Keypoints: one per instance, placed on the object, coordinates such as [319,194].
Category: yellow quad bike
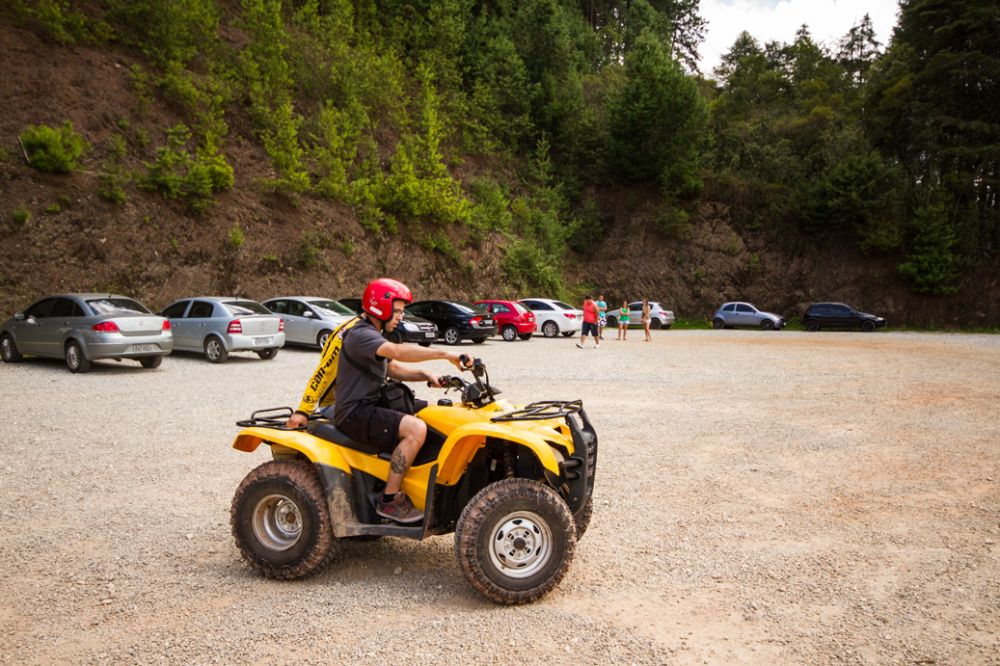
[513,483]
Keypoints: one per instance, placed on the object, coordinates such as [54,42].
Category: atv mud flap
[579,469]
[341,498]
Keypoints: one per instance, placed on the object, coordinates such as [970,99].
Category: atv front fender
[464,441]
[318,451]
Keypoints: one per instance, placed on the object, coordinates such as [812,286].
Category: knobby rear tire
[288,491]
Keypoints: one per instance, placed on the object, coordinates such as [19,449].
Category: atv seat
[326,430]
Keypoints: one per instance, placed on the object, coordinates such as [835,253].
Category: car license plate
[259,342]
[429,334]
[487,323]
[137,349]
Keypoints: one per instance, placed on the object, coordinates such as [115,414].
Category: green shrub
[21,215]
[53,208]
[53,149]
[236,236]
[113,176]
[175,173]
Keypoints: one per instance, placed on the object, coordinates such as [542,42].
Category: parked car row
[817,316]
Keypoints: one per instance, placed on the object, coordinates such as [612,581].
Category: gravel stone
[761,498]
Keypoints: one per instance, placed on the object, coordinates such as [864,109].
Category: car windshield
[331,308]
[116,306]
[564,306]
[468,307]
[240,308]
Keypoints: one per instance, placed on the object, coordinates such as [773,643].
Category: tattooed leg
[412,433]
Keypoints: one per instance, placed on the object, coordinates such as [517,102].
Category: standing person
[645,318]
[623,321]
[589,323]
[602,316]
[366,359]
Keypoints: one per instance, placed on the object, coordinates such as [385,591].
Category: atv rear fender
[315,450]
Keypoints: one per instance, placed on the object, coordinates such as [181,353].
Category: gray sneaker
[400,509]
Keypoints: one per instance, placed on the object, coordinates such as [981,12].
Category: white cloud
[778,20]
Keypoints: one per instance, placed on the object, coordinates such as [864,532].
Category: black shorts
[377,426]
[589,327]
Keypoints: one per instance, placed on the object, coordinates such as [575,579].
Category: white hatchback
[554,317]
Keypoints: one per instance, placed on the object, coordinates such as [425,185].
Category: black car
[411,329]
[838,315]
[456,320]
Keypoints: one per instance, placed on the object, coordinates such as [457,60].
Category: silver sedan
[218,325]
[731,315]
[309,320]
[81,328]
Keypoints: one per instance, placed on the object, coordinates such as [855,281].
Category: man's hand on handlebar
[461,361]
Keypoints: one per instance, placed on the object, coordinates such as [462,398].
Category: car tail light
[475,320]
[166,325]
[281,326]
[106,327]
[235,326]
[570,315]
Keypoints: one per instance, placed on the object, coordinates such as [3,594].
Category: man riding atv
[364,362]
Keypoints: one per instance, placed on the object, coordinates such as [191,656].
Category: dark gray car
[731,315]
[81,328]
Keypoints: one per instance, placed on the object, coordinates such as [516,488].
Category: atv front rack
[273,417]
[541,411]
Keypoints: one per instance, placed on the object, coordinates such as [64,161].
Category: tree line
[378,104]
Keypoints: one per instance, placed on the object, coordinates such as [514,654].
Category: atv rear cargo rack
[273,417]
[541,411]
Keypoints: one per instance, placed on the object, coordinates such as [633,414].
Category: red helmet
[379,295]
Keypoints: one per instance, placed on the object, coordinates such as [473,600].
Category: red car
[513,319]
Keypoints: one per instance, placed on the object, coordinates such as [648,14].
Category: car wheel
[75,360]
[8,349]
[550,329]
[867,326]
[718,323]
[150,362]
[515,540]
[215,351]
[321,339]
[509,333]
[567,334]
[280,520]
[812,325]
[655,324]
[612,322]
[767,325]
[478,341]
[525,336]
[452,336]
[268,354]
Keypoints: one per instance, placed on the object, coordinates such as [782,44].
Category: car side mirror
[18,316]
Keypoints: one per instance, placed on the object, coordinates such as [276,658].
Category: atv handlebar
[477,392]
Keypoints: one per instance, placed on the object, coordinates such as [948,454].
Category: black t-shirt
[358,382]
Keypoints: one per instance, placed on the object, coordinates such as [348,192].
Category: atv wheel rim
[520,545]
[277,523]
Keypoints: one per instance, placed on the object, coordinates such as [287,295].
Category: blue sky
[767,20]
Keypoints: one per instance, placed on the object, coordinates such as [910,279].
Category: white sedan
[554,317]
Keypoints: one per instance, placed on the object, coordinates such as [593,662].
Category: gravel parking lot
[761,498]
